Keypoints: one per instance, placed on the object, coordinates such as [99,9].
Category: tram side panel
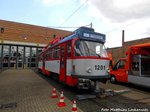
[72,81]
[53,66]
[81,69]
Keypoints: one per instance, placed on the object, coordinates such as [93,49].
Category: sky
[109,17]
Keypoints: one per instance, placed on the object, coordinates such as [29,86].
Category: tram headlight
[89,70]
[108,70]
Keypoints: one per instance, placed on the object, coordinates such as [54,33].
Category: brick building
[20,43]
[119,52]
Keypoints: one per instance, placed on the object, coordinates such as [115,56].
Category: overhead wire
[142,20]
[69,26]
[74,12]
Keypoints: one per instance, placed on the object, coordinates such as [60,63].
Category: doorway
[20,57]
[63,57]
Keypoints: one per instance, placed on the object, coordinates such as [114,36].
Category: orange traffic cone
[54,95]
[74,106]
[61,101]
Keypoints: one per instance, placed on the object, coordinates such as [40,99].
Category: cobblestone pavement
[137,93]
[28,92]
[127,101]
[31,92]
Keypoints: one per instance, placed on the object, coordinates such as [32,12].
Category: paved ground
[137,93]
[30,92]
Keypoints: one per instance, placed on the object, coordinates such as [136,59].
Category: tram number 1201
[99,67]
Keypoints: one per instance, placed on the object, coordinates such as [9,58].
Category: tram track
[97,105]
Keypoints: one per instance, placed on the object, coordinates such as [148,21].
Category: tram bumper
[88,81]
[96,78]
[102,79]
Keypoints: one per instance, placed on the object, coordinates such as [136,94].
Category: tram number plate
[99,67]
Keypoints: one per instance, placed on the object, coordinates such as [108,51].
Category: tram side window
[50,54]
[62,51]
[69,49]
[56,53]
[47,54]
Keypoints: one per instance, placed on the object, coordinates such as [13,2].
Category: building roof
[145,45]
[20,32]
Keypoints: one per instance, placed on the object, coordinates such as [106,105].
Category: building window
[20,54]
[33,55]
[5,55]
[33,52]
[27,55]
[0,50]
[39,50]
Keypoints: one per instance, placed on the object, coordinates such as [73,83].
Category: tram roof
[85,33]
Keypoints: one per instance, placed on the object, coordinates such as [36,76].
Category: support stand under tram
[95,92]
[98,92]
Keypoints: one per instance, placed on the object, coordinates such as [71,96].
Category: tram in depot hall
[78,60]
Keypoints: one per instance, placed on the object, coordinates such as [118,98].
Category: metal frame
[140,66]
[23,57]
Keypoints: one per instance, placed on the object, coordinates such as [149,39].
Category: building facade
[120,52]
[21,43]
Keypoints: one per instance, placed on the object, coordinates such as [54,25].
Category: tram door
[62,76]
[43,59]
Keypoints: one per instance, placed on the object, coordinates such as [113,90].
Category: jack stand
[100,92]
[96,88]
[95,92]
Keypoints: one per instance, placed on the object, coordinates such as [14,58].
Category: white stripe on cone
[61,101]
[74,107]
[54,94]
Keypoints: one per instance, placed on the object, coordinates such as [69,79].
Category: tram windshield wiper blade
[98,55]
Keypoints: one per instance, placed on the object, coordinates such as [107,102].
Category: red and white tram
[76,60]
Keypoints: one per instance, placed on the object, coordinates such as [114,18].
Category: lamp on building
[54,36]
[24,36]
[2,29]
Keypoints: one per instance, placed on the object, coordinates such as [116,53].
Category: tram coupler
[95,90]
[84,84]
